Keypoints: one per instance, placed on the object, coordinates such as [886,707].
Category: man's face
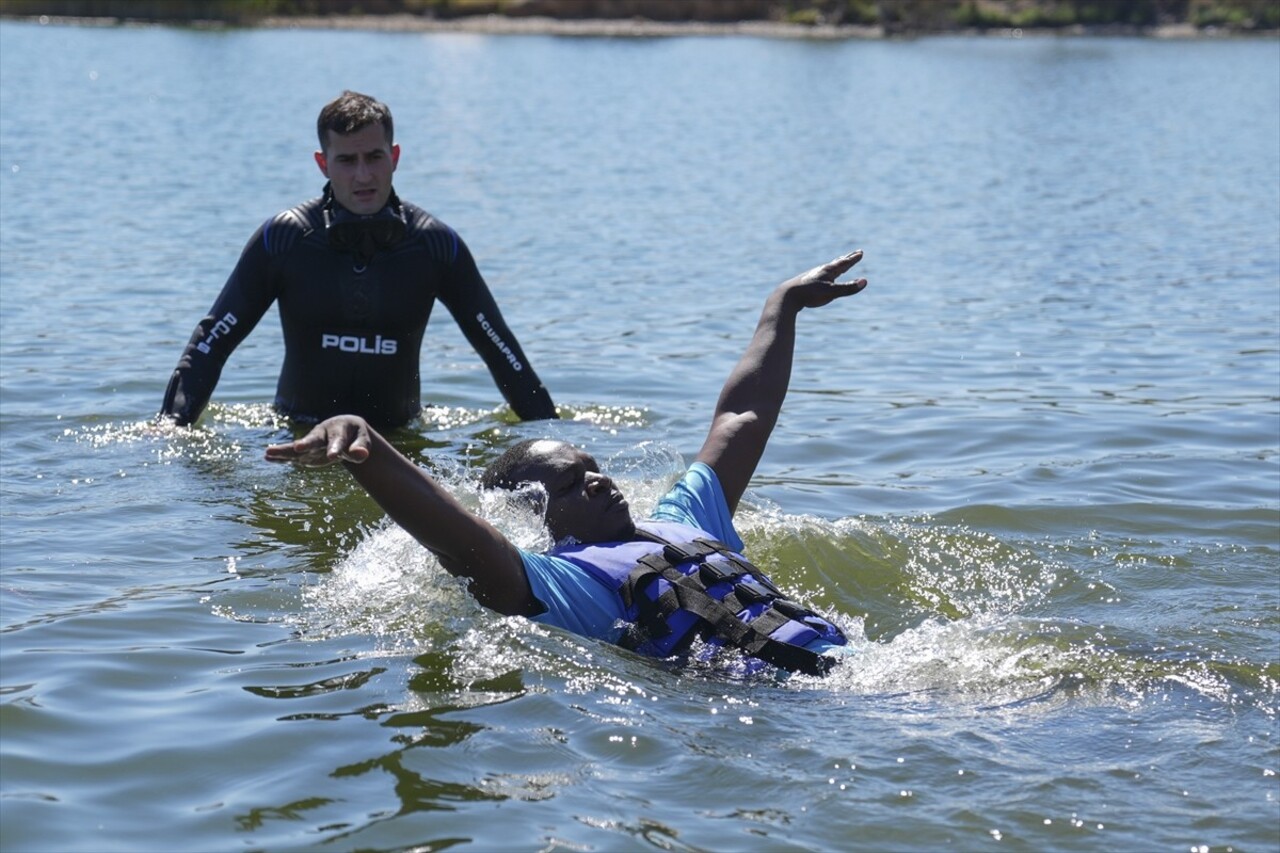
[359,165]
[581,502]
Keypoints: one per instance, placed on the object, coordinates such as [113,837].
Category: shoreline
[646,28]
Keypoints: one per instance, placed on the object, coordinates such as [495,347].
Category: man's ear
[395,156]
[322,163]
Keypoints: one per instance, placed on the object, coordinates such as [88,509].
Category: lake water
[1034,468]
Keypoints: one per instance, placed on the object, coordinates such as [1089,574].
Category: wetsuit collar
[362,235]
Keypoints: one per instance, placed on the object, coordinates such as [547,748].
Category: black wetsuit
[353,319]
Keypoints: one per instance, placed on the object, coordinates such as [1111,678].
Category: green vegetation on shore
[893,16]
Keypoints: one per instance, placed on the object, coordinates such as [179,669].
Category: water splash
[936,610]
[980,620]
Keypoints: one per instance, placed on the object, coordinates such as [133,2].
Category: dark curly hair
[503,472]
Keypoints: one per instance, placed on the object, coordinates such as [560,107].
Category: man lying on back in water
[654,587]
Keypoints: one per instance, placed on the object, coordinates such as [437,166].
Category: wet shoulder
[286,229]
[440,241]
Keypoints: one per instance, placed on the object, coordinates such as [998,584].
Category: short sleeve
[698,500]
[574,600]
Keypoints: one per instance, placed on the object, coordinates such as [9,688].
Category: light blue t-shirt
[578,602]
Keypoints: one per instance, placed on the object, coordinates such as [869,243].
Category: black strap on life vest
[689,592]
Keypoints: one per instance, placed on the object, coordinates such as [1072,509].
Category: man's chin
[626,531]
[365,205]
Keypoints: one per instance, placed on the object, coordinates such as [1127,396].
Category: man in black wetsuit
[356,273]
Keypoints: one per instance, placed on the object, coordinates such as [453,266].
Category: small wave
[944,610]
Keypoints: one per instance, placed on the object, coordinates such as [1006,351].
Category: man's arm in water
[243,301]
[467,545]
[468,298]
[752,397]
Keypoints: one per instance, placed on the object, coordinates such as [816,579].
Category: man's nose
[598,483]
[362,169]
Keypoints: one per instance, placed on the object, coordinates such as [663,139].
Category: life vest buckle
[696,550]
[750,592]
[790,609]
[713,573]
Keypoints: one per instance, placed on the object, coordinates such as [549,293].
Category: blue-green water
[1034,468]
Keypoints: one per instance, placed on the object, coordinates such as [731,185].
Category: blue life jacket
[687,585]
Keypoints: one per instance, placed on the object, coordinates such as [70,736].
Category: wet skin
[582,503]
[359,167]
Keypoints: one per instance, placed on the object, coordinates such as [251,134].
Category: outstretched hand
[344,438]
[818,286]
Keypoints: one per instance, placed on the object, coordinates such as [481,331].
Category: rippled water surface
[1032,469]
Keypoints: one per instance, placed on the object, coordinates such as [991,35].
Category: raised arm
[752,397]
[467,545]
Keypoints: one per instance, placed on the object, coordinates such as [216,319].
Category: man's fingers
[831,291]
[326,444]
[291,451]
[831,270]
[358,451]
[842,264]
[351,444]
[341,447]
[841,289]
[279,453]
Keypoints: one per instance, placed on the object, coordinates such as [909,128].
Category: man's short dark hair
[352,111]
[503,472]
